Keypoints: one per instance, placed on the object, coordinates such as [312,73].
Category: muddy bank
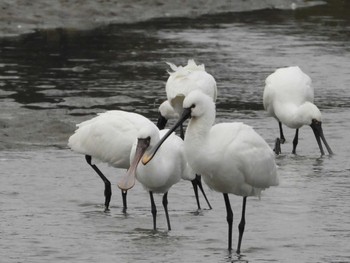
[18,17]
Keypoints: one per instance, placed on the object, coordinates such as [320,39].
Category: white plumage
[109,136]
[165,170]
[231,157]
[167,111]
[185,79]
[288,97]
[286,90]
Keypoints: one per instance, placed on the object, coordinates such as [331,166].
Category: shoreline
[20,17]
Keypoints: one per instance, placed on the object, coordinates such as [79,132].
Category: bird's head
[196,104]
[306,113]
[146,139]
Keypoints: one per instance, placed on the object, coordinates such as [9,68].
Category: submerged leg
[197,182]
[165,204]
[195,189]
[229,219]
[277,148]
[153,210]
[295,141]
[241,226]
[108,189]
[124,193]
[281,133]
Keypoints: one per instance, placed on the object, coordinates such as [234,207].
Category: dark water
[52,202]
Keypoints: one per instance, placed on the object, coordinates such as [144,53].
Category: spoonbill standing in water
[288,97]
[108,138]
[183,80]
[231,157]
[165,170]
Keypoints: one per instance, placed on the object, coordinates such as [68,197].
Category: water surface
[52,202]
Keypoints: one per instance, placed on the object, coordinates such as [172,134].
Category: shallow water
[52,202]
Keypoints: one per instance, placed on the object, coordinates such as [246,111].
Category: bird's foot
[277,148]
[198,212]
[124,210]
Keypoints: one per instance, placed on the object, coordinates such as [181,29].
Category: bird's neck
[198,130]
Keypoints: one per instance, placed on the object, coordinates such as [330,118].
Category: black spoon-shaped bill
[317,129]
[150,154]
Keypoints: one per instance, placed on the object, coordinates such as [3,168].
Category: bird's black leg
[281,133]
[229,219]
[241,226]
[153,210]
[195,189]
[295,141]
[165,204]
[161,122]
[124,193]
[108,189]
[277,148]
[197,182]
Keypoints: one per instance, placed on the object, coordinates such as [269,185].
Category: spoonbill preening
[183,80]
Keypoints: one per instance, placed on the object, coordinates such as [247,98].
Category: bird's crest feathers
[180,71]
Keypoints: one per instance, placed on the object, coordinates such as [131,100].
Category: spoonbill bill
[231,157]
[183,80]
[108,137]
[165,170]
[167,110]
[288,97]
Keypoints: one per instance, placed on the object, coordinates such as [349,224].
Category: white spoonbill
[165,170]
[288,97]
[180,83]
[108,138]
[185,79]
[231,157]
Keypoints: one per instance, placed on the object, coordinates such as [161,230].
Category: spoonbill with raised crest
[183,80]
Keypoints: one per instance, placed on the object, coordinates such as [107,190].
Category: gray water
[52,203]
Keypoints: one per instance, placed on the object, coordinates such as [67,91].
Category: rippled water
[52,202]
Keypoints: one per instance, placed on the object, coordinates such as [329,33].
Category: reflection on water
[52,202]
[59,68]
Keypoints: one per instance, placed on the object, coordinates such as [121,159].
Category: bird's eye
[193,105]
